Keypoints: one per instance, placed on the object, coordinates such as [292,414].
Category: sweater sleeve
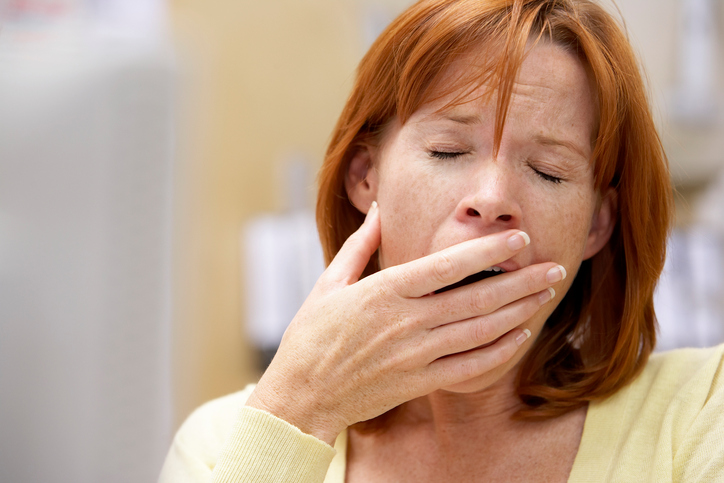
[700,454]
[225,441]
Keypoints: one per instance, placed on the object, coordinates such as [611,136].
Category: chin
[504,374]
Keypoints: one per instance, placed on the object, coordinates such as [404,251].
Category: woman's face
[437,183]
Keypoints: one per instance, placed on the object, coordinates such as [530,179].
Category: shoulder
[668,424]
[675,384]
[699,357]
[682,373]
[208,427]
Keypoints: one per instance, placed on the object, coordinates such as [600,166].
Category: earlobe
[361,179]
[602,224]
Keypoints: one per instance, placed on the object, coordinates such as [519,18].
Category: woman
[494,206]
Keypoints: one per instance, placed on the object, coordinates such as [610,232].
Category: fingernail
[546,296]
[373,209]
[518,241]
[522,337]
[556,274]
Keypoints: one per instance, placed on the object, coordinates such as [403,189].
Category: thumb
[352,258]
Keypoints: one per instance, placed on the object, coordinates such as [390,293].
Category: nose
[492,204]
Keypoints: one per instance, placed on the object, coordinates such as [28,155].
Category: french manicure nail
[546,296]
[518,241]
[522,337]
[372,210]
[556,274]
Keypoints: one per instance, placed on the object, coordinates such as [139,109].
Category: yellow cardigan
[668,425]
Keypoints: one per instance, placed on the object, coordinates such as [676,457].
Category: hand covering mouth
[476,277]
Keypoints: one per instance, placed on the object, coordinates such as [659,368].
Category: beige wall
[695,150]
[259,80]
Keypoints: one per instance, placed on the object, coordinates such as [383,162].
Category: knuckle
[400,280]
[443,268]
[482,299]
[403,325]
[493,359]
[368,300]
[532,282]
[379,285]
[506,353]
[480,331]
[500,356]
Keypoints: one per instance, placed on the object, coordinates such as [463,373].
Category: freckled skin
[427,204]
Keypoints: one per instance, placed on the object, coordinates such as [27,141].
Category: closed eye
[446,154]
[548,177]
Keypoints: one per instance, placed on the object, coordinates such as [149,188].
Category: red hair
[603,331]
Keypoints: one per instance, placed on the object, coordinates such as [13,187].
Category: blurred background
[157,170]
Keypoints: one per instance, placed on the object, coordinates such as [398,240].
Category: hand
[358,348]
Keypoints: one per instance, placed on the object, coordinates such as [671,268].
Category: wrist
[306,415]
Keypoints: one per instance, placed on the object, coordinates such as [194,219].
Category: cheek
[557,222]
[576,219]
[413,209]
[559,228]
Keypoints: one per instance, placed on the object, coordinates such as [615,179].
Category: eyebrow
[462,119]
[551,141]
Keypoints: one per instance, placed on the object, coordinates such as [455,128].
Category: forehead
[547,66]
[552,90]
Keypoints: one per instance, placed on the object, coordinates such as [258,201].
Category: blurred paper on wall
[688,299]
[283,260]
[695,100]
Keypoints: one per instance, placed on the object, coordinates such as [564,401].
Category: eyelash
[452,155]
[446,154]
[548,177]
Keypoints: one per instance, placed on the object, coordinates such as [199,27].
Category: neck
[448,412]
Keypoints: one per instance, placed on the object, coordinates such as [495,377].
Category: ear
[604,219]
[361,178]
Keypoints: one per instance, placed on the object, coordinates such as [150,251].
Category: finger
[473,333]
[353,257]
[433,272]
[487,296]
[458,368]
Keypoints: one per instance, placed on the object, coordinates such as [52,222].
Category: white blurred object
[709,207]
[40,11]
[695,94]
[688,299]
[85,256]
[283,260]
[35,20]
[129,18]
[671,296]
